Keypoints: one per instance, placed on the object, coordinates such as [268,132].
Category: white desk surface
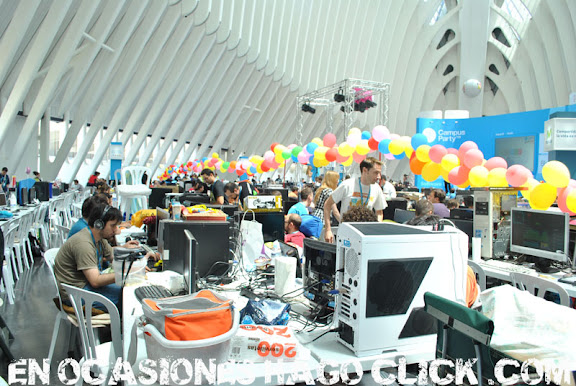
[496,273]
[132,310]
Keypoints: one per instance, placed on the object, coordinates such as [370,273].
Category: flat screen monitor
[161,214]
[157,197]
[393,205]
[272,223]
[516,150]
[2,199]
[24,199]
[31,195]
[189,199]
[466,226]
[190,262]
[540,233]
[401,215]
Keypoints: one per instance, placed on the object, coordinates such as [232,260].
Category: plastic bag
[265,312]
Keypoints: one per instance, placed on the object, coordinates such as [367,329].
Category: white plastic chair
[538,286]
[7,282]
[481,275]
[132,188]
[106,353]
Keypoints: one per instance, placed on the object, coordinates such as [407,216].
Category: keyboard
[152,292]
[506,266]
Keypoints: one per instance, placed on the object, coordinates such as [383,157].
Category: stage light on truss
[339,97]
[308,109]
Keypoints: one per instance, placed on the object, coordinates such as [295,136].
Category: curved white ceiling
[225,74]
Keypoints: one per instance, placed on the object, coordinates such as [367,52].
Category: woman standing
[329,183]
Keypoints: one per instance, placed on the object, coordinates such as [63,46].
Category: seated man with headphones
[78,262]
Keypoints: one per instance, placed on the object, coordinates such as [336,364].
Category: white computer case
[400,260]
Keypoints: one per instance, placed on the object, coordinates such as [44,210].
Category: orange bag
[201,315]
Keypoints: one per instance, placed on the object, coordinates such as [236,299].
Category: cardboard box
[263,203]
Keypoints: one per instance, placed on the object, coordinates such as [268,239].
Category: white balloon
[430,134]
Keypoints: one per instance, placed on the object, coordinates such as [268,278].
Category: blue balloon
[383,146]
[366,135]
[253,170]
[418,140]
[311,147]
[399,156]
[294,159]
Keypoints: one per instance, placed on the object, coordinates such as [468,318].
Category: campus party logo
[450,135]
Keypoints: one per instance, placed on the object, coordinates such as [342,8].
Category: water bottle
[13,201]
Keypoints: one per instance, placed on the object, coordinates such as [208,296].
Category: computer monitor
[393,204]
[462,214]
[157,196]
[161,214]
[31,194]
[24,196]
[402,215]
[213,245]
[540,233]
[466,226]
[272,223]
[190,262]
[2,199]
[320,260]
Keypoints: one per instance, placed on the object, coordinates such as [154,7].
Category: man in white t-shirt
[363,191]
[387,188]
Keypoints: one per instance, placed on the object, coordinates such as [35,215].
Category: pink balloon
[496,162]
[353,140]
[473,157]
[380,132]
[468,145]
[563,194]
[358,158]
[517,175]
[389,156]
[303,158]
[458,175]
[329,140]
[269,155]
[394,136]
[437,152]
[451,150]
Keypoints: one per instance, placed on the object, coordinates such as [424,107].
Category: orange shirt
[471,288]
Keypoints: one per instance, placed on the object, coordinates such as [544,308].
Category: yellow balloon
[362,148]
[529,185]
[571,201]
[444,174]
[316,162]
[348,162]
[449,162]
[318,141]
[409,151]
[497,178]
[396,147]
[478,176]
[215,155]
[542,196]
[464,185]
[354,131]
[259,169]
[422,153]
[278,158]
[320,151]
[431,171]
[556,174]
[345,149]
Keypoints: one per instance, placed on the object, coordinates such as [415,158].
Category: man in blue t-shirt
[4,179]
[301,208]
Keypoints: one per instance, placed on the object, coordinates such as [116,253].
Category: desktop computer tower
[383,271]
[43,190]
[492,208]
[213,245]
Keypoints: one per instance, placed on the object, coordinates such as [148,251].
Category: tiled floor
[31,320]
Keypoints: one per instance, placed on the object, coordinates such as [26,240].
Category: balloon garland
[463,167]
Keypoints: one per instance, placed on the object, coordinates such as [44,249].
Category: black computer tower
[213,248]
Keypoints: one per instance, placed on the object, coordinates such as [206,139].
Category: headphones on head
[99,223]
